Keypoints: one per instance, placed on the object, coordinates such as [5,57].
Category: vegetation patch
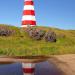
[19,43]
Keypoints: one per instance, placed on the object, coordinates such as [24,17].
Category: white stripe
[28,17]
[27,25]
[28,7]
[28,65]
[28,0]
[28,74]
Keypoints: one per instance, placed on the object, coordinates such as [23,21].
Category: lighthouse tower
[28,17]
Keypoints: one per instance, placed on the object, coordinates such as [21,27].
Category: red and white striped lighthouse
[28,17]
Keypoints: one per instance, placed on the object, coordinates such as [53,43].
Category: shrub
[50,36]
[36,34]
[5,31]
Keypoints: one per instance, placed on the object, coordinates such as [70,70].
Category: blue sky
[52,13]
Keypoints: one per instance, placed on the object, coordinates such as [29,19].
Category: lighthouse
[28,17]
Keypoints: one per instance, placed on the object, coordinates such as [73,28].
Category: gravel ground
[66,63]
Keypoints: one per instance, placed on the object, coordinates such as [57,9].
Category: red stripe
[28,70]
[28,12]
[28,3]
[27,22]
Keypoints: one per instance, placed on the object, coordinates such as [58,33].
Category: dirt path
[66,63]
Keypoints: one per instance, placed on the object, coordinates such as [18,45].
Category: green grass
[17,45]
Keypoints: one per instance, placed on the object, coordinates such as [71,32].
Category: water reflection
[43,68]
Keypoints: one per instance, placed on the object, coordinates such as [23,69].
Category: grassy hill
[21,44]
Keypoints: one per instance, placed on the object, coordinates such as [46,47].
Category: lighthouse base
[25,26]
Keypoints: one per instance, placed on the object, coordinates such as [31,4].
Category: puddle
[43,68]
[46,68]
